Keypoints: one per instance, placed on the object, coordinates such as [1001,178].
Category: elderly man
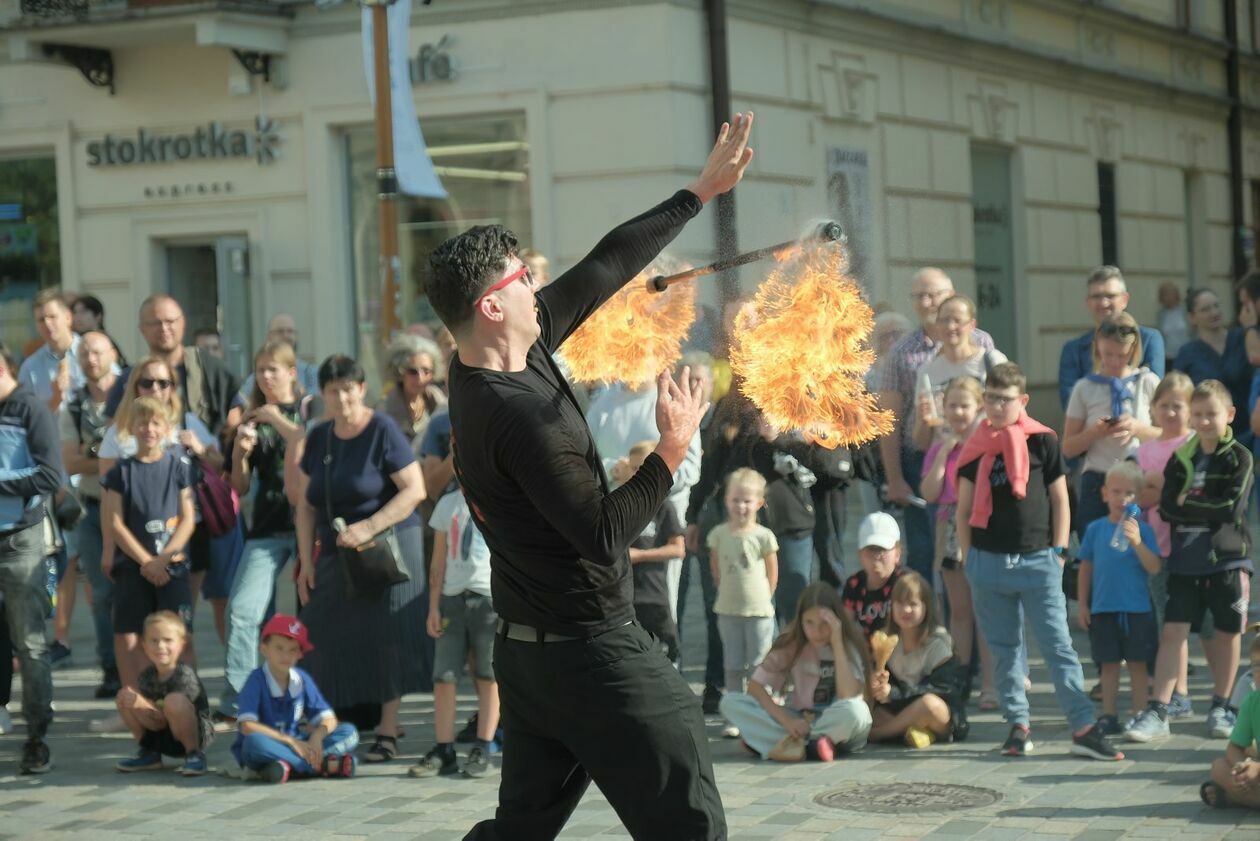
[282,328]
[903,465]
[1105,295]
[585,693]
[206,387]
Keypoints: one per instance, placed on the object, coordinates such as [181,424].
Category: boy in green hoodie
[1207,486]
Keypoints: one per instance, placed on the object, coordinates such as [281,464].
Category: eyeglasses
[415,372]
[523,272]
[150,382]
[1128,331]
[931,296]
[999,400]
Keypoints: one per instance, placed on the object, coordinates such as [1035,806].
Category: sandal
[1213,795]
[383,749]
[988,701]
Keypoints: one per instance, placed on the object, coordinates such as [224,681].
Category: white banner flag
[416,176]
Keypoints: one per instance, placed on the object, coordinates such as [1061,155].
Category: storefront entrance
[210,279]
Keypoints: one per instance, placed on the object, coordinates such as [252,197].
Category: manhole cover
[908,798]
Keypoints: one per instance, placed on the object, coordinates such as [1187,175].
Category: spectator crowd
[165,481]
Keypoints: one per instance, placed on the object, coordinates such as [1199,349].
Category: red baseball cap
[287,626]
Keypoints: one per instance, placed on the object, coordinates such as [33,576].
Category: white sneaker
[730,731]
[6,722]
[113,724]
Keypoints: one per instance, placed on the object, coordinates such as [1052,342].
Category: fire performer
[585,693]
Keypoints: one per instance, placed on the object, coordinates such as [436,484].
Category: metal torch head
[831,232]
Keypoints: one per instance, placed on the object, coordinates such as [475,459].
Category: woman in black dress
[370,648]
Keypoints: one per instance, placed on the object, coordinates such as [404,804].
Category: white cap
[878,529]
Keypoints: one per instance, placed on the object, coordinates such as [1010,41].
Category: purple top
[949,488]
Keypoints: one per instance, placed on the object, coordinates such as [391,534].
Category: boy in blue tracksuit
[276,698]
[30,472]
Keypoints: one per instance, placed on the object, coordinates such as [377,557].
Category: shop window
[30,245]
[483,162]
[1107,214]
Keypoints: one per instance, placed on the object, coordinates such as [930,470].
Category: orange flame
[800,347]
[634,336]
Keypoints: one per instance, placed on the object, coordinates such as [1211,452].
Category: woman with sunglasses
[412,366]
[1109,412]
[1219,352]
[357,478]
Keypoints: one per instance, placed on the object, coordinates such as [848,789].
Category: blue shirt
[262,700]
[1077,359]
[40,369]
[1199,361]
[437,436]
[1119,584]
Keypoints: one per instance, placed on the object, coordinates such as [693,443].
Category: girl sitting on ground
[919,697]
[823,652]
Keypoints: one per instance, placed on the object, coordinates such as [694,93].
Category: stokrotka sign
[209,142]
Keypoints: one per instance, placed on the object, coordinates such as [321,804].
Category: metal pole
[827,232]
[1234,129]
[720,82]
[389,265]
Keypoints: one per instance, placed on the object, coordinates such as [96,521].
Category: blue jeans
[1000,586]
[252,591]
[713,675]
[91,546]
[23,585]
[796,565]
[917,541]
[258,750]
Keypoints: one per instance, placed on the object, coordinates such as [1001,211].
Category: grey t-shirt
[82,421]
[1091,401]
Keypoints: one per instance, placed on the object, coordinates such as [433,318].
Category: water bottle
[1119,540]
[924,392]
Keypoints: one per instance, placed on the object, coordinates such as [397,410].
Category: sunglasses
[523,272]
[1125,330]
[150,382]
[415,372]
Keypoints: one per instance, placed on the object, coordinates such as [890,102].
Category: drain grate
[908,798]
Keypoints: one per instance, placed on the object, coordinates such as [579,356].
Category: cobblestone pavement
[1051,794]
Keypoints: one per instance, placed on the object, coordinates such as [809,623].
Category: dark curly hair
[461,268]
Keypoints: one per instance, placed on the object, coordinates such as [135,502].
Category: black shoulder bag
[373,566]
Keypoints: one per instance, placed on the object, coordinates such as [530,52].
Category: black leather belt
[528,633]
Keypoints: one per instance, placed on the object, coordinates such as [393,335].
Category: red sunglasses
[514,276]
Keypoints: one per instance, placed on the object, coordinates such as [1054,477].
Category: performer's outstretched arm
[625,250]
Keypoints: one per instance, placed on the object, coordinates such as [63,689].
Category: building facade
[223,151]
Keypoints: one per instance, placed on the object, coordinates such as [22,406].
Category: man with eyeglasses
[1106,295]
[903,464]
[585,692]
[206,386]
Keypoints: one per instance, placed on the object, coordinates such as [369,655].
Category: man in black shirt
[584,692]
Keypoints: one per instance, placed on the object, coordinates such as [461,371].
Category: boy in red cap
[275,699]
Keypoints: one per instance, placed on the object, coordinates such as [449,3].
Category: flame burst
[634,336]
[800,347]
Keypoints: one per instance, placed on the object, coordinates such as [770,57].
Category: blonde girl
[918,698]
[964,397]
[823,655]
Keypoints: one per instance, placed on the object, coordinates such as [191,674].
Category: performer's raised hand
[679,409]
[727,161]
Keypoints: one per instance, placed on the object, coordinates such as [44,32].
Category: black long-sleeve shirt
[528,465]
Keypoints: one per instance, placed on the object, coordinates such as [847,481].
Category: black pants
[611,709]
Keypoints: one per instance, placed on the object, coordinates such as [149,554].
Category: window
[483,162]
[30,244]
[1107,214]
